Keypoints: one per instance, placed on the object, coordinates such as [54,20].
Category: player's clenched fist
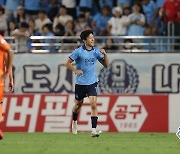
[79,72]
[103,51]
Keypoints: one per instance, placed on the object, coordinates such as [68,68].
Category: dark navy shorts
[82,91]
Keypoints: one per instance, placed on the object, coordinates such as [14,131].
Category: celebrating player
[85,58]
[6,59]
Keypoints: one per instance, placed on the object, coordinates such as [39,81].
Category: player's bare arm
[105,60]
[9,64]
[70,66]
[11,82]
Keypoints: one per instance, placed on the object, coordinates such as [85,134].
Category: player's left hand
[11,86]
[103,51]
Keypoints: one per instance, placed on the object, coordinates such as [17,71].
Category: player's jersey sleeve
[74,55]
[3,44]
[99,54]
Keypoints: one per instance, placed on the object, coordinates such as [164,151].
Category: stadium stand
[150,25]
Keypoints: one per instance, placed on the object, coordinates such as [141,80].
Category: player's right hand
[79,72]
[11,86]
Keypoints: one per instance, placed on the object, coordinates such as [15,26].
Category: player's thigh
[93,100]
[92,90]
[1,93]
[80,92]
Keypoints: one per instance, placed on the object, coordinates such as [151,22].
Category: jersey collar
[87,49]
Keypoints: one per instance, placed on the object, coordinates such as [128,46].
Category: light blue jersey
[101,21]
[123,1]
[135,29]
[86,61]
[86,3]
[32,5]
[12,5]
[149,10]
[160,3]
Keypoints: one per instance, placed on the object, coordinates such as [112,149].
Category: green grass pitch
[82,143]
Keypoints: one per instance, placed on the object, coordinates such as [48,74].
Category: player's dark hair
[85,34]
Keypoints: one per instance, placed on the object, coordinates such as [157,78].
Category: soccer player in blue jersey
[85,58]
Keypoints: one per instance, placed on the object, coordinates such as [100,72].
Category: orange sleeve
[3,44]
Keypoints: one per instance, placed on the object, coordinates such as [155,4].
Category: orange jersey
[1,94]
[3,47]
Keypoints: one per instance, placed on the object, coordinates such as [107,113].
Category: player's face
[90,40]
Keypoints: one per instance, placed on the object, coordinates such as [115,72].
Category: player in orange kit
[6,59]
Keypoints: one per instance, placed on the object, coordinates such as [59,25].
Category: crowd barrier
[64,44]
